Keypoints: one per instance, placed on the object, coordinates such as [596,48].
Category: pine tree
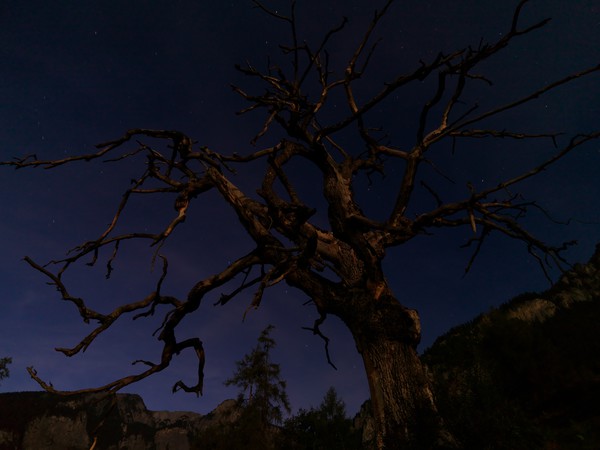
[262,388]
[4,372]
[324,428]
[263,396]
[332,408]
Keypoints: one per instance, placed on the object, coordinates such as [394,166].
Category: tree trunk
[401,397]
[402,401]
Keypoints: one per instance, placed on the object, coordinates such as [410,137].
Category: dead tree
[339,266]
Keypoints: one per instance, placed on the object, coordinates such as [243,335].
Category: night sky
[74,74]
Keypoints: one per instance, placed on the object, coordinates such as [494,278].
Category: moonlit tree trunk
[337,265]
[403,407]
[386,336]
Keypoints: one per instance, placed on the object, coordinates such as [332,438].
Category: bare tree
[338,266]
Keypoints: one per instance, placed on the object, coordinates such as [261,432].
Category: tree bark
[403,405]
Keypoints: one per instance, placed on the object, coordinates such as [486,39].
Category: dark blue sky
[73,74]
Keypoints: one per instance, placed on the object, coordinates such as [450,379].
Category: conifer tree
[262,400]
[324,428]
[263,392]
[4,372]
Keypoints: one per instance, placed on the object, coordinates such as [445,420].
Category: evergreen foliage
[261,403]
[255,422]
[4,372]
[262,389]
[326,427]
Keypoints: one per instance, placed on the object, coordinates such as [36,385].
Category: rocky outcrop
[364,421]
[536,309]
[581,284]
[42,421]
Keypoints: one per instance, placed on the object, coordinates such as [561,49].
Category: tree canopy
[263,391]
[324,427]
[4,372]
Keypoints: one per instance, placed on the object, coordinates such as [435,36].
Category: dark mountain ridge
[44,421]
[527,374]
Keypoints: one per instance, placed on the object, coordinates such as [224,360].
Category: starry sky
[74,74]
